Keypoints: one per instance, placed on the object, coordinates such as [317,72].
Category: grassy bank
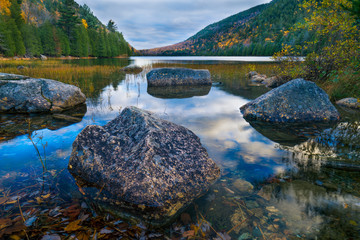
[85,76]
[347,85]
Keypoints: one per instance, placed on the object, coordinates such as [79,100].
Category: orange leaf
[73,226]
[83,236]
[189,233]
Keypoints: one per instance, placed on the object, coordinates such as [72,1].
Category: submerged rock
[353,103]
[243,186]
[297,101]
[20,94]
[336,148]
[344,134]
[179,91]
[341,143]
[147,167]
[178,76]
[132,69]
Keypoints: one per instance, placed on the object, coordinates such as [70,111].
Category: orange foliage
[83,21]
[5,7]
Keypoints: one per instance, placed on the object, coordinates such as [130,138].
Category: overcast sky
[156,23]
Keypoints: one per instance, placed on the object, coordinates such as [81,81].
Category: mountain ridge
[260,30]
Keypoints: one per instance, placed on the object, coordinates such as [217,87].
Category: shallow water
[291,194]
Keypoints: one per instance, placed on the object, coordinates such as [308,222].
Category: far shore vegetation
[326,32]
[333,59]
[56,28]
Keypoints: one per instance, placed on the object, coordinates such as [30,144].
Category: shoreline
[54,58]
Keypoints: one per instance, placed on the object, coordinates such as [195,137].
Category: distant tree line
[259,31]
[71,30]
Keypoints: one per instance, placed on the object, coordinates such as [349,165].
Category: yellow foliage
[83,21]
[5,7]
[335,46]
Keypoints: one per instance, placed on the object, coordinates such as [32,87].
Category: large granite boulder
[296,101]
[145,166]
[178,76]
[19,94]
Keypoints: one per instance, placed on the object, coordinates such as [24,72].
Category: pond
[274,184]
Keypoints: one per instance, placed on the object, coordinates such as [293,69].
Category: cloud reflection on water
[215,118]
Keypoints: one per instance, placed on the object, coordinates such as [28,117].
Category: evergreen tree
[102,51]
[64,42]
[67,36]
[13,25]
[15,14]
[111,26]
[87,14]
[80,44]
[16,38]
[32,40]
[68,19]
[47,39]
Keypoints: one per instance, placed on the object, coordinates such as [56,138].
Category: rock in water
[177,77]
[132,69]
[296,101]
[349,103]
[148,166]
[19,94]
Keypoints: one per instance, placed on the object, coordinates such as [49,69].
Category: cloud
[156,23]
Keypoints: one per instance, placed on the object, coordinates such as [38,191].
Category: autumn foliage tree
[333,50]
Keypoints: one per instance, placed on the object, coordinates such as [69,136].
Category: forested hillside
[258,31]
[56,28]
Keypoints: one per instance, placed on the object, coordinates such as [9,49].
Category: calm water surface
[276,191]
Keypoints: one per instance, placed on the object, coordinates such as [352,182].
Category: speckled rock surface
[146,166]
[296,101]
[19,94]
[349,103]
[178,76]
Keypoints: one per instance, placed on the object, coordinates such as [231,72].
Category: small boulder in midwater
[146,167]
[297,101]
[132,69]
[353,103]
[178,77]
